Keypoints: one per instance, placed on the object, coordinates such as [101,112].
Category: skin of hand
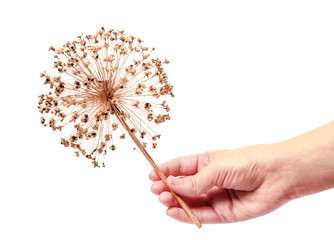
[234,185]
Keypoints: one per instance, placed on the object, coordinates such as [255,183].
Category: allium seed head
[104,80]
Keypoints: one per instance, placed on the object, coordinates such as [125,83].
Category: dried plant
[107,85]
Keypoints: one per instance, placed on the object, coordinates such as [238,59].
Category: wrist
[305,164]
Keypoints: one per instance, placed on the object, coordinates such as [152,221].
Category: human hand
[224,186]
[240,184]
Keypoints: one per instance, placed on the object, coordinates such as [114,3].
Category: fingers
[198,178]
[205,214]
[167,199]
[194,185]
[183,166]
[202,175]
[158,187]
[201,206]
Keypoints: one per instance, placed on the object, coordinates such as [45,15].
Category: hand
[224,186]
[240,184]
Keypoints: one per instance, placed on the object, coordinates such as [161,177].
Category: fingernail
[175,180]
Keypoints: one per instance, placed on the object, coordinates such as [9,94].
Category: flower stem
[162,176]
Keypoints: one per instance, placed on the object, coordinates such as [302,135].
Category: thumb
[194,185]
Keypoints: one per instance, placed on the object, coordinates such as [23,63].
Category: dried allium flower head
[107,82]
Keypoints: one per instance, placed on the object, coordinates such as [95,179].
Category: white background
[245,72]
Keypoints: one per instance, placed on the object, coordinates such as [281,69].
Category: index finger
[183,166]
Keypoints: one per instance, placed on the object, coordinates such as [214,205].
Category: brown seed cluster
[101,79]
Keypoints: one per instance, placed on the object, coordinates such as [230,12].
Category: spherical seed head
[104,79]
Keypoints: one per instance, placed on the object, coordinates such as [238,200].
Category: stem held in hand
[185,207]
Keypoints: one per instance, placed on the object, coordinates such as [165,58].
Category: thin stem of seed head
[162,176]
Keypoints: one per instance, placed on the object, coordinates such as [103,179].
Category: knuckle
[203,160]
[193,185]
